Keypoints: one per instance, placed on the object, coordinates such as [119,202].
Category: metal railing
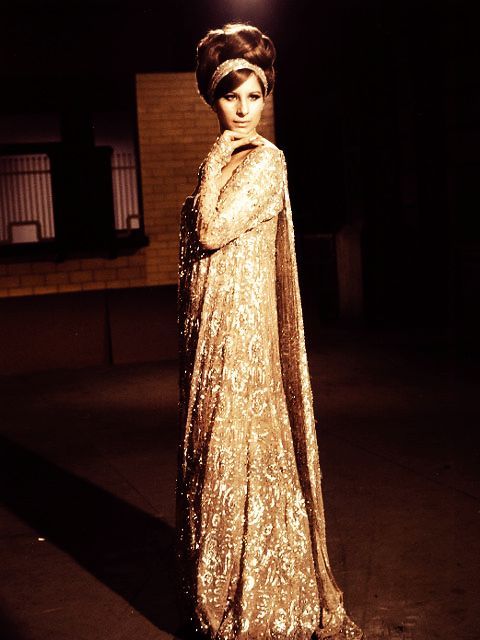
[125,196]
[26,204]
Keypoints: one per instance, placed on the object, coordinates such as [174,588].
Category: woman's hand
[228,141]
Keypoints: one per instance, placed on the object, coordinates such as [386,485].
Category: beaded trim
[233,64]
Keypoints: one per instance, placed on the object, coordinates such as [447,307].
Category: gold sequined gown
[251,546]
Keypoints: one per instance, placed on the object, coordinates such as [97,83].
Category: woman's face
[241,108]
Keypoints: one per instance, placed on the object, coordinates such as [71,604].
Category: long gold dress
[251,546]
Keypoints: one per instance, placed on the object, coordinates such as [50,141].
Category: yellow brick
[9,281]
[19,268]
[105,274]
[93,263]
[87,286]
[32,280]
[81,276]
[130,272]
[21,291]
[45,289]
[137,282]
[117,284]
[43,267]
[136,260]
[64,288]
[68,265]
[56,278]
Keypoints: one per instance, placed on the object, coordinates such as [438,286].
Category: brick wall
[176,129]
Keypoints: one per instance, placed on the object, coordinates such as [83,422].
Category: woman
[250,523]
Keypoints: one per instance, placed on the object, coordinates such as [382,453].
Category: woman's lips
[241,124]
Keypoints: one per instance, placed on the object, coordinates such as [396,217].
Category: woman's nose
[242,107]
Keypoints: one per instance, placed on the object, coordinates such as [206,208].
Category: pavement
[88,477]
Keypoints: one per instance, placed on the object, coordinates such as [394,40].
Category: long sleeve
[253,194]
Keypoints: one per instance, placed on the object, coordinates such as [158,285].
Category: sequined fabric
[251,546]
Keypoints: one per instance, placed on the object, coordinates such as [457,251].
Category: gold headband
[233,64]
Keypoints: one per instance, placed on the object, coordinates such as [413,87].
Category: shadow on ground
[127,549]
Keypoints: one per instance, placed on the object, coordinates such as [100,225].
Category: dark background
[378,113]
[377,108]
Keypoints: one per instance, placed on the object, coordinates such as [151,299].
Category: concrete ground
[88,473]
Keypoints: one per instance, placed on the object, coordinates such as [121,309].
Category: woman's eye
[229,96]
[255,96]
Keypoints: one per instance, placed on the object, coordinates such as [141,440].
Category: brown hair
[233,40]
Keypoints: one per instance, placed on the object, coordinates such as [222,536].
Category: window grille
[26,206]
[125,196]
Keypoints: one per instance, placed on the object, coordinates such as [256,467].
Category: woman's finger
[230,141]
[244,139]
[236,136]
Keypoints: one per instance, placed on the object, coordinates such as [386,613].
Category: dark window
[63,195]
[26,204]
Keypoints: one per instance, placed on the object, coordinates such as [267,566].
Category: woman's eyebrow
[235,93]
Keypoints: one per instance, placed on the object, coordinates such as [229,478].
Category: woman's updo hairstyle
[233,40]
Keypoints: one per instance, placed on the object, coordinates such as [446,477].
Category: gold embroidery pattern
[251,544]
